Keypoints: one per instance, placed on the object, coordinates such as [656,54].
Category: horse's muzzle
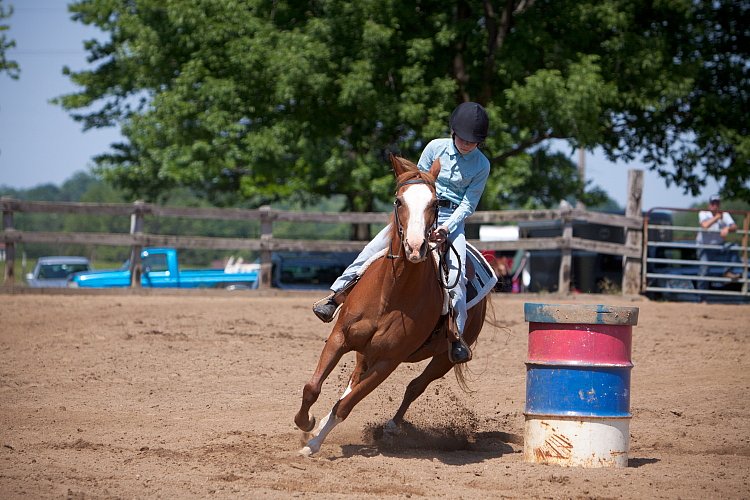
[416,255]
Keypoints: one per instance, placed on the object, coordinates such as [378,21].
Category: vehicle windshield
[60,271]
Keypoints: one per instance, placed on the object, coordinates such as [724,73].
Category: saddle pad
[484,278]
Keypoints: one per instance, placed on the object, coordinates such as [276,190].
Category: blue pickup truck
[161,270]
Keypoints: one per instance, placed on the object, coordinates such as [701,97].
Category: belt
[447,204]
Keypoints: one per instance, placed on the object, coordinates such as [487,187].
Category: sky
[40,143]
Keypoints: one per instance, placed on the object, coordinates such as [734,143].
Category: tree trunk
[361,231]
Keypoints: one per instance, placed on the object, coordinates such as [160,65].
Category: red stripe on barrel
[562,343]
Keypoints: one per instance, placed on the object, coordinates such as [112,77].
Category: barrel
[578,384]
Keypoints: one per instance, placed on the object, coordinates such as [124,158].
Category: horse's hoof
[392,429]
[310,424]
[306,451]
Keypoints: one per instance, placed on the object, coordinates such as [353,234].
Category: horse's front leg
[324,423]
[327,424]
[364,380]
[332,353]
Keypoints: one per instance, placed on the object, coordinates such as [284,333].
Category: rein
[444,266]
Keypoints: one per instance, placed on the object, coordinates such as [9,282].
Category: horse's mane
[412,171]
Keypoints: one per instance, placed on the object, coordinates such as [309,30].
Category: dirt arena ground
[192,395]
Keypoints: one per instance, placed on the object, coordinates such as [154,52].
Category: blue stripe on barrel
[585,391]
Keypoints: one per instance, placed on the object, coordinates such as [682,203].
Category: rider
[464,170]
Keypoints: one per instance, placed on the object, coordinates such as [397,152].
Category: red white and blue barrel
[578,384]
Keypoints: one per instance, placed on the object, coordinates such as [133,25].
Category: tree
[9,67]
[256,100]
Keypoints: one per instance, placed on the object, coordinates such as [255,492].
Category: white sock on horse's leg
[347,390]
[327,424]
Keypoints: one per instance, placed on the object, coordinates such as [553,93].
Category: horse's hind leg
[437,367]
[332,353]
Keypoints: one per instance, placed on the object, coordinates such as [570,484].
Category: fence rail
[688,268]
[266,243]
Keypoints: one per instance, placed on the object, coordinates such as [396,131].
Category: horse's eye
[398,202]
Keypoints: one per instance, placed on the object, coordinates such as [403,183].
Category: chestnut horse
[389,317]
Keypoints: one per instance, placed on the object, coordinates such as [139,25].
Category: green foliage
[520,187]
[246,102]
[7,66]
[85,187]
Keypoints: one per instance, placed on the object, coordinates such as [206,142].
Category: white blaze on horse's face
[417,198]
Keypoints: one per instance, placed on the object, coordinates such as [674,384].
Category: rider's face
[464,147]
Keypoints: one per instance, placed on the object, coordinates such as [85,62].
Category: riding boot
[459,351]
[325,309]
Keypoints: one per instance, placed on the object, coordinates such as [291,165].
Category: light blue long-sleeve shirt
[462,177]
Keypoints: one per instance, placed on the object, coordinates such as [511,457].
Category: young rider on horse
[463,175]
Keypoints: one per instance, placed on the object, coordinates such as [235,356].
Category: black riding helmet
[470,122]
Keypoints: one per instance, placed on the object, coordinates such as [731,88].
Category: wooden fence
[266,244]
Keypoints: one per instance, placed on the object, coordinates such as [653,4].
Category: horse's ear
[435,168]
[398,167]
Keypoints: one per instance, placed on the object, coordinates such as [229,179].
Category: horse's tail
[462,370]
[492,319]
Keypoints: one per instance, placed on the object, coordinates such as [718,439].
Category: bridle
[397,219]
[428,231]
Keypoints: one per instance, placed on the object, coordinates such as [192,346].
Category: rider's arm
[469,201]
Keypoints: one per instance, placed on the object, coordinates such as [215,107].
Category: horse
[391,315]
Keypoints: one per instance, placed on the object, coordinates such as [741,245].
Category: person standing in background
[715,226]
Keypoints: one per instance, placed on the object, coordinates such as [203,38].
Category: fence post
[745,227]
[136,228]
[266,235]
[10,247]
[631,277]
[563,280]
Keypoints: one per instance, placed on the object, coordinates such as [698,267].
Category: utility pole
[581,172]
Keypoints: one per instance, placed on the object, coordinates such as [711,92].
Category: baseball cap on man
[714,197]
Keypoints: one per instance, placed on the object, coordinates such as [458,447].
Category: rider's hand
[439,235]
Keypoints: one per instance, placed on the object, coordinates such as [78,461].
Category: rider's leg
[460,351]
[326,308]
